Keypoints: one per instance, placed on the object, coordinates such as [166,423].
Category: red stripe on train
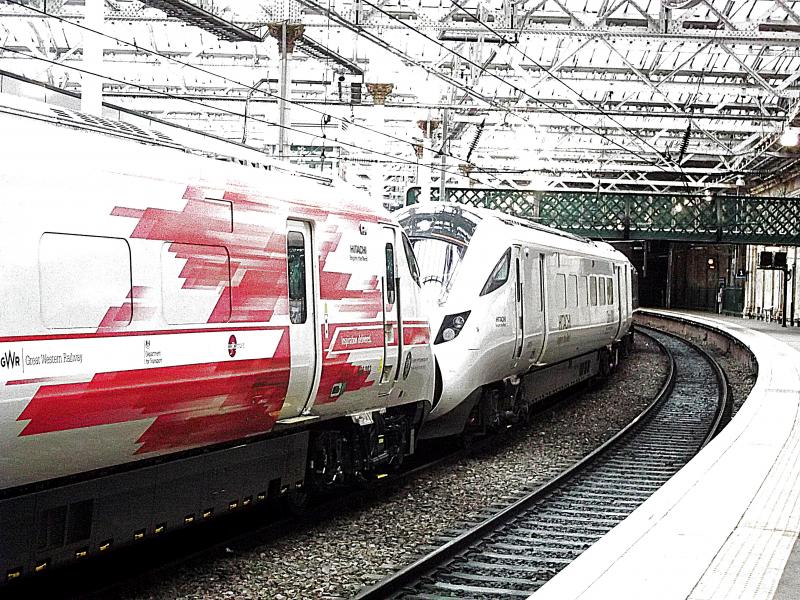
[192,404]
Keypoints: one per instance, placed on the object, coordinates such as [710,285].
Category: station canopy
[613,95]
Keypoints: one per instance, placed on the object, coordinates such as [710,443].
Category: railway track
[108,576]
[517,550]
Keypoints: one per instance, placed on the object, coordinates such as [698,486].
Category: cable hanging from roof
[251,88]
[517,88]
[513,44]
[207,106]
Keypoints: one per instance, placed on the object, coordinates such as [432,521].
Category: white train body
[178,334]
[534,305]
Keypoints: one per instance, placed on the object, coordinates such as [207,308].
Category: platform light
[790,137]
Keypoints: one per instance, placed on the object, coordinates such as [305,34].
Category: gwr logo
[9,359]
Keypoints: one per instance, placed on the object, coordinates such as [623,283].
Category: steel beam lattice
[631,216]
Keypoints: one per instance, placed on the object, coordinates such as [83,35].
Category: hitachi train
[518,312]
[182,336]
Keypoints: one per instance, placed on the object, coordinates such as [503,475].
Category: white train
[182,336]
[518,311]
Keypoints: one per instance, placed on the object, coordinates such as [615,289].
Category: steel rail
[425,569]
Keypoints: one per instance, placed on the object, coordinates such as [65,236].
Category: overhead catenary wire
[513,44]
[204,105]
[371,37]
[515,87]
[200,69]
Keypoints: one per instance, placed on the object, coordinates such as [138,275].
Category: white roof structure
[624,95]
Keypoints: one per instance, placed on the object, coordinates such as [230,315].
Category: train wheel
[522,410]
[299,502]
[605,363]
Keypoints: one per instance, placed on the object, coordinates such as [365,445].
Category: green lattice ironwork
[735,219]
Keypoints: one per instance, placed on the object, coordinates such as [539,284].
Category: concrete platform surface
[725,526]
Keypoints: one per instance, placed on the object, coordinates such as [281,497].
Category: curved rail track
[516,551]
[110,575]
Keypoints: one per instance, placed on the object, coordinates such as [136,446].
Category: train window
[195,284]
[583,291]
[499,274]
[296,270]
[411,259]
[593,290]
[572,290]
[84,281]
[390,286]
[561,290]
[610,293]
[601,290]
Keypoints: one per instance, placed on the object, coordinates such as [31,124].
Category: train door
[619,299]
[519,303]
[303,339]
[534,304]
[392,325]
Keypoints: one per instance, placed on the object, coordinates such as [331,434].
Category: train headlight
[451,327]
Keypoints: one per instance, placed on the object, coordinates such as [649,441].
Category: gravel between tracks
[336,558]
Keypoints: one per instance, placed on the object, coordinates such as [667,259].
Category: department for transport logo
[233,346]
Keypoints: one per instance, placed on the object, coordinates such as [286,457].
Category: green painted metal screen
[734,219]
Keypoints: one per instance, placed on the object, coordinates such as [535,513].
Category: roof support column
[92,86]
[286,34]
[428,126]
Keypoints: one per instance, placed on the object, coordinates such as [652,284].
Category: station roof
[545,94]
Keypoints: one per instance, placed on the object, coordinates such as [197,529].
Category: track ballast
[519,549]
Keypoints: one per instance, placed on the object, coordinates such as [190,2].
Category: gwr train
[518,311]
[182,336]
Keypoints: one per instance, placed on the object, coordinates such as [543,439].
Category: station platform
[727,525]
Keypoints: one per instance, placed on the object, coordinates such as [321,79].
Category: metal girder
[382,43]
[746,37]
[321,52]
[624,216]
[194,15]
[636,71]
[752,72]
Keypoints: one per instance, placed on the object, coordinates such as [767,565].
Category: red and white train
[182,336]
[519,311]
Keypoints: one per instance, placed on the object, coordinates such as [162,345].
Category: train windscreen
[440,239]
